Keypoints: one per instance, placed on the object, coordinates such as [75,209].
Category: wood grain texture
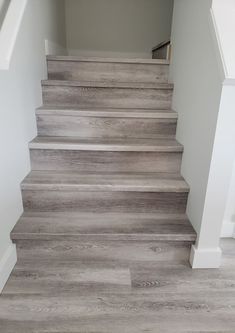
[107,71]
[119,252]
[46,278]
[105,96]
[103,244]
[109,84]
[106,60]
[105,161]
[62,296]
[104,127]
[83,201]
[105,155]
[114,182]
[106,112]
[162,144]
[65,226]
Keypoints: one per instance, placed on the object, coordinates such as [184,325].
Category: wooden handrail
[161,45]
[156,50]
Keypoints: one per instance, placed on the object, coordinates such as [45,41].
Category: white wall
[195,73]
[204,97]
[3,8]
[198,86]
[228,229]
[114,27]
[224,12]
[20,95]
[220,175]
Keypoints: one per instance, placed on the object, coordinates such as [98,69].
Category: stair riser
[103,251]
[104,201]
[100,71]
[107,97]
[105,161]
[101,127]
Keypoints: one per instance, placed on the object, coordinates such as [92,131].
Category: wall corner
[7,264]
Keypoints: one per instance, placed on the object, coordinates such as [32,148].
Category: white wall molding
[229,82]
[228,229]
[9,31]
[205,258]
[7,264]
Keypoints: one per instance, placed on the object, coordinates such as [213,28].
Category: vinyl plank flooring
[61,226]
[162,298]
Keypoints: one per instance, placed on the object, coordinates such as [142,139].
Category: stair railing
[162,50]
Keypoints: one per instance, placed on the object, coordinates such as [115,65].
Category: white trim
[9,31]
[218,47]
[228,229]
[108,54]
[52,48]
[229,81]
[7,264]
[205,258]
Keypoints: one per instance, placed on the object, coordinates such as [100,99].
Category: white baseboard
[107,54]
[228,230]
[205,258]
[7,264]
[52,48]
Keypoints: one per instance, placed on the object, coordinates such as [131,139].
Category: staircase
[105,184]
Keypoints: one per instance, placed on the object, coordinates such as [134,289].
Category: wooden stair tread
[98,181]
[109,60]
[50,225]
[109,84]
[163,144]
[107,112]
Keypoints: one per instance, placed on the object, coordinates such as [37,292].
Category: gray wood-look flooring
[89,94]
[104,241]
[106,226]
[96,69]
[129,295]
[106,126]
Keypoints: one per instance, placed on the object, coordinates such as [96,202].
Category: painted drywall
[221,170]
[224,13]
[20,95]
[195,73]
[3,8]
[117,27]
[228,229]
[204,97]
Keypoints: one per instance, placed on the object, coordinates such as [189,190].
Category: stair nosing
[106,146]
[102,113]
[190,237]
[102,188]
[74,182]
[108,84]
[109,60]
[84,231]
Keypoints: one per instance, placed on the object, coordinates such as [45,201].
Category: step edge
[109,60]
[190,237]
[104,188]
[107,84]
[105,147]
[107,114]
